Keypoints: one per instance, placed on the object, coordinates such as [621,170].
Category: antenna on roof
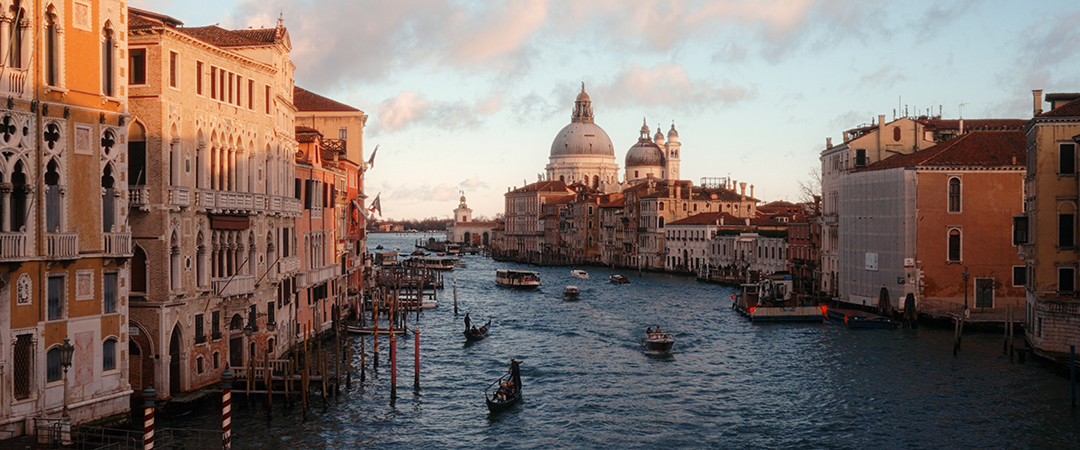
[962,104]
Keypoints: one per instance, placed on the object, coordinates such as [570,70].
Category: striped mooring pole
[149,395]
[226,409]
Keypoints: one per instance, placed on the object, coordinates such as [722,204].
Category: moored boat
[859,319]
[771,300]
[571,293]
[507,390]
[618,279]
[431,262]
[657,341]
[578,273]
[520,279]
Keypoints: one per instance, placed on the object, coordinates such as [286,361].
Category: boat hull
[860,319]
[781,313]
[497,406]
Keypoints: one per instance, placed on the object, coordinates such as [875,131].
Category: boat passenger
[468,321]
[648,330]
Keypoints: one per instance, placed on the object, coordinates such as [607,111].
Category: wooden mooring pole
[269,381]
[416,370]
[1072,374]
[363,359]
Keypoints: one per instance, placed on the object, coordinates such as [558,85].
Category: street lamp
[66,350]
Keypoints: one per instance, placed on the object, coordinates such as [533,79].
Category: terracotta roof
[305,100]
[542,186]
[977,148]
[139,18]
[221,37]
[617,203]
[1067,110]
[562,200]
[262,35]
[711,218]
[305,135]
[975,124]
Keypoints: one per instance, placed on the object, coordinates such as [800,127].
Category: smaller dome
[462,199]
[658,137]
[644,154]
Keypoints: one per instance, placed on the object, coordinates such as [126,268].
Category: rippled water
[728,383]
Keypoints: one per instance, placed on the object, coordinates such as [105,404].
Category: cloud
[473,184]
[407,194]
[410,109]
[884,78]
[667,84]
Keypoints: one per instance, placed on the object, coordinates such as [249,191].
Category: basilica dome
[645,152]
[582,138]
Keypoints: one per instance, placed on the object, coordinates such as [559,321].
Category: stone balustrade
[233,286]
[117,245]
[180,196]
[139,197]
[12,246]
[61,245]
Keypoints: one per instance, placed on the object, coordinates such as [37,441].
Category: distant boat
[618,279]
[657,342]
[578,273]
[507,391]
[379,247]
[571,293]
[461,263]
[520,279]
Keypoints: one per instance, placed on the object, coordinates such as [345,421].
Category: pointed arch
[108,60]
[136,166]
[138,271]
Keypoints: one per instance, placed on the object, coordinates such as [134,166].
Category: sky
[467,96]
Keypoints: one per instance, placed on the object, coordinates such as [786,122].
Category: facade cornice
[200,43]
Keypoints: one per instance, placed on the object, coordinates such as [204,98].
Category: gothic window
[16,54]
[23,370]
[108,355]
[107,61]
[954,194]
[19,193]
[52,48]
[52,197]
[109,196]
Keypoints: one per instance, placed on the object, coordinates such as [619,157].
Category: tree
[810,188]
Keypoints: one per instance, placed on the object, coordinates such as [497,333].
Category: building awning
[229,222]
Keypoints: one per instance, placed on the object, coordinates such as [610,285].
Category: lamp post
[66,350]
[966,275]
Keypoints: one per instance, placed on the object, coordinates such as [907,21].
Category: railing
[316,276]
[278,368]
[289,264]
[15,82]
[180,196]
[12,245]
[139,197]
[237,285]
[117,244]
[334,145]
[291,205]
[61,245]
[259,203]
[204,198]
[235,201]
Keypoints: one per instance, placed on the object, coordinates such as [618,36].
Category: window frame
[115,276]
[109,356]
[1066,238]
[1070,160]
[137,77]
[954,203]
[62,299]
[959,251]
[53,366]
[199,78]
[1022,278]
[174,70]
[1072,279]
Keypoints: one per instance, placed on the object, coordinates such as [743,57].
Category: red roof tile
[305,100]
[711,218]
[975,124]
[977,148]
[139,18]
[542,186]
[1070,109]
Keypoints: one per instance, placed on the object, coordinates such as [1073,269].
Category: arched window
[17,52]
[201,260]
[174,262]
[52,197]
[53,370]
[137,154]
[52,48]
[660,222]
[19,191]
[107,61]
[954,245]
[954,194]
[108,200]
[108,355]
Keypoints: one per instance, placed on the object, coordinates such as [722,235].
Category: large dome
[644,154]
[582,138]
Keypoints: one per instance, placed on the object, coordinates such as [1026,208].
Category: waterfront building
[744,250]
[65,240]
[320,229]
[1046,232]
[867,144]
[615,250]
[343,155]
[523,237]
[464,230]
[935,224]
[212,210]
[688,241]
[804,256]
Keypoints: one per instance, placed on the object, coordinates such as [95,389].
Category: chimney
[961,126]
[828,142]
[1037,94]
[747,221]
[742,191]
[721,220]
[751,191]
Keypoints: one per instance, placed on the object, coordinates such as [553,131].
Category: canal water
[727,384]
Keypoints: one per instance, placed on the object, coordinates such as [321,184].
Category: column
[5,206]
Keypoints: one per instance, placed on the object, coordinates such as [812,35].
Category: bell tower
[671,151]
[462,214]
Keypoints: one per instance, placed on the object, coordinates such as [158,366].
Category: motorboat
[507,390]
[657,341]
[519,279]
[578,273]
[571,293]
[618,279]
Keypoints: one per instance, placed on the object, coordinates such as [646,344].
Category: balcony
[117,245]
[180,196]
[61,245]
[139,198]
[233,286]
[289,265]
[13,84]
[320,275]
[12,246]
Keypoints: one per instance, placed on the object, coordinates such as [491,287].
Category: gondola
[474,334]
[499,400]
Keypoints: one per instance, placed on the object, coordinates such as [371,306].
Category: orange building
[935,224]
[64,238]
